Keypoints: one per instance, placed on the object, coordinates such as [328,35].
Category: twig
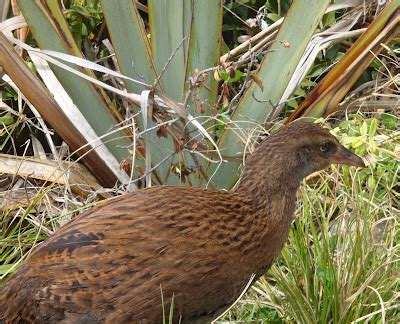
[202,155]
[242,47]
[168,61]
[146,107]
[154,167]
[158,125]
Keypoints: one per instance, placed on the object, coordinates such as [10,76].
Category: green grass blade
[130,42]
[166,34]
[204,48]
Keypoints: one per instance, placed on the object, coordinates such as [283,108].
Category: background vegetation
[342,262]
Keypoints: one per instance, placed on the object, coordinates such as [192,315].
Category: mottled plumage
[201,246]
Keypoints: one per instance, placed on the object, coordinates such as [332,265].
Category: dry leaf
[126,165]
[194,145]
[225,89]
[75,174]
[162,131]
[217,77]
[258,81]
[225,102]
[232,72]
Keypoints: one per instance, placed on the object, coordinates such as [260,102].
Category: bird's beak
[345,156]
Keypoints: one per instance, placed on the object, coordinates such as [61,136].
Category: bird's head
[314,148]
[293,153]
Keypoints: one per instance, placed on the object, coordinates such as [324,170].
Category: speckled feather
[201,246]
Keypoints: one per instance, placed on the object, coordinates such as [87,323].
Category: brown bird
[196,246]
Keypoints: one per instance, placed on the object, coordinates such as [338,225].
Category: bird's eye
[324,147]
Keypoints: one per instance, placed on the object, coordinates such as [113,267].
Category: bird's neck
[273,196]
[271,171]
[269,182]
